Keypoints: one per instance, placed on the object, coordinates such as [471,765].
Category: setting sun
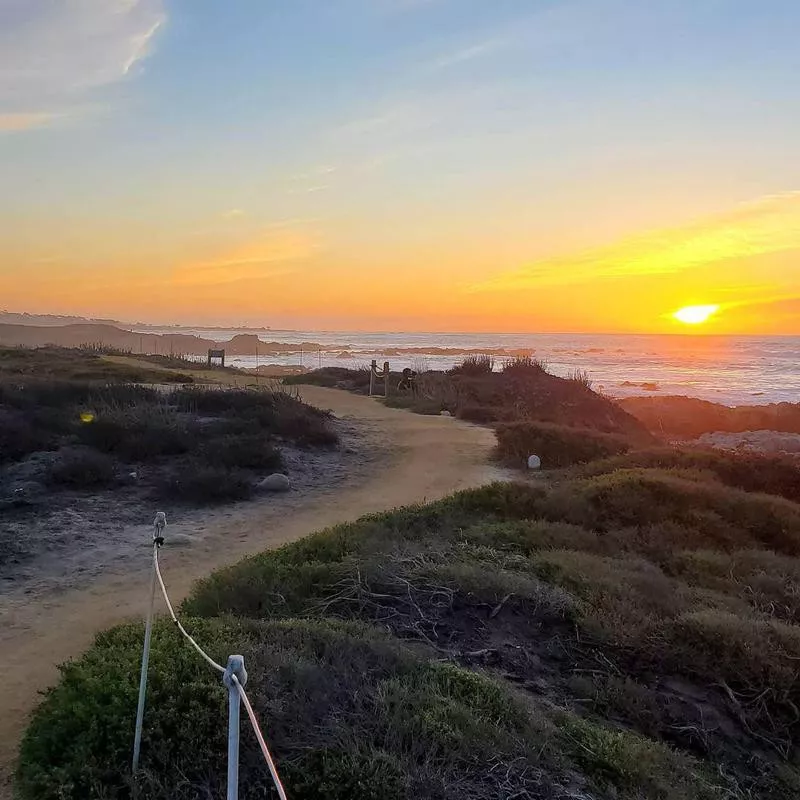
[694,315]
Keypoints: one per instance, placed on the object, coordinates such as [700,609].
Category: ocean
[734,370]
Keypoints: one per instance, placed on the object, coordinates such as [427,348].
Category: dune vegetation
[629,630]
[198,444]
[81,443]
[625,627]
[520,390]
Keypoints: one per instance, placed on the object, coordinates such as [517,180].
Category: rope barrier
[261,742]
[175,619]
[234,676]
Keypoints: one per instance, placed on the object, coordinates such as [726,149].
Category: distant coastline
[733,371]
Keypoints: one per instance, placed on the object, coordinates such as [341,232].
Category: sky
[437,165]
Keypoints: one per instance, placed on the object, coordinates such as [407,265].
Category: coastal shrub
[767,581]
[274,412]
[473,366]
[581,377]
[349,714]
[627,594]
[202,484]
[719,516]
[522,391]
[138,434]
[524,365]
[245,451]
[82,469]
[556,445]
[752,472]
[19,437]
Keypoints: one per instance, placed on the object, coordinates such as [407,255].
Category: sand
[408,459]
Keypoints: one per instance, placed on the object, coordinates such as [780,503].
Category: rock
[761,441]
[534,462]
[274,483]
[445,414]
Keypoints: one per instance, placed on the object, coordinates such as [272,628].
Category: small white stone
[534,462]
[275,483]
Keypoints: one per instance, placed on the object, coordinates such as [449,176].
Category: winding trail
[422,458]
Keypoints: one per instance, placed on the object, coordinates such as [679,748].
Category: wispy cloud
[278,250]
[765,226]
[233,213]
[315,179]
[469,53]
[53,53]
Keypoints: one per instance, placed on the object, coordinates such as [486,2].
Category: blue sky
[393,137]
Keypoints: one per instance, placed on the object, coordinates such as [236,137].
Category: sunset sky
[465,165]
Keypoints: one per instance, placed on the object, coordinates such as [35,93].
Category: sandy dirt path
[422,458]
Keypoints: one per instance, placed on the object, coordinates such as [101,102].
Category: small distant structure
[374,375]
[218,355]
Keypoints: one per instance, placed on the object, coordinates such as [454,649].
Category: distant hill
[47,320]
[103,335]
[85,334]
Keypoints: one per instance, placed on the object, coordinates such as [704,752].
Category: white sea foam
[735,370]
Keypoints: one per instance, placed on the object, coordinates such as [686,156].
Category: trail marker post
[235,667]
[159,524]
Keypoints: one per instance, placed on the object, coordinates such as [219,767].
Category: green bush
[19,437]
[82,469]
[349,715]
[202,484]
[473,366]
[556,445]
[243,451]
[138,435]
[276,413]
[714,515]
[611,577]
[753,472]
[524,365]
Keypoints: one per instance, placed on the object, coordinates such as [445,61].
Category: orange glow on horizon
[309,274]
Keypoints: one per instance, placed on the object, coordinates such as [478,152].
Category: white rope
[261,742]
[192,642]
[250,713]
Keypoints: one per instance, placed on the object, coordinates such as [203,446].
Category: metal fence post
[158,539]
[235,667]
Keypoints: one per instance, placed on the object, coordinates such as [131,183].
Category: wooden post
[385,378]
[372,370]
